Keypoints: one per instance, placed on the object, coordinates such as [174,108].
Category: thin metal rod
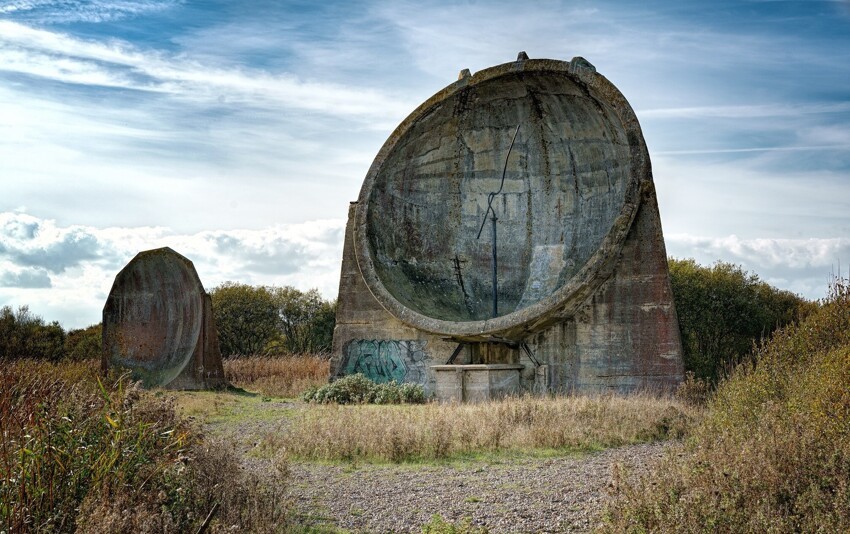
[492,195]
[492,213]
[495,270]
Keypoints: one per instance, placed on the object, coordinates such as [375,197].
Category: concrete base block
[476,382]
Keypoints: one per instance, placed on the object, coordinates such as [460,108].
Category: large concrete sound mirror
[511,221]
[158,323]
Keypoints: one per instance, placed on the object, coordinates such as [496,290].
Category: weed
[438,525]
[81,452]
[357,389]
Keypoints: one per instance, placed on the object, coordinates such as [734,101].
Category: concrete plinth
[476,382]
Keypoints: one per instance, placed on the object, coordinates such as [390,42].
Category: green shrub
[723,311]
[357,389]
[773,453]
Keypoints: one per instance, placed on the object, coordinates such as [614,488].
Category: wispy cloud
[62,12]
[64,58]
[746,111]
[803,265]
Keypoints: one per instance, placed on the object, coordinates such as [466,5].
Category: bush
[84,343]
[773,454]
[89,454]
[26,335]
[357,389]
[724,311]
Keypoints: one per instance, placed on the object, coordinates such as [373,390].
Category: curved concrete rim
[586,280]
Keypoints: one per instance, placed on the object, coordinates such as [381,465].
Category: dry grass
[277,376]
[773,452]
[80,452]
[443,431]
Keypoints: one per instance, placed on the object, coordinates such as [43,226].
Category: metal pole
[495,270]
[493,218]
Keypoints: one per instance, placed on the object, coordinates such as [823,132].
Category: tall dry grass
[773,452]
[278,376]
[441,431]
[84,453]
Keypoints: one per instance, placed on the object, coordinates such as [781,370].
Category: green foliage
[438,525]
[246,318]
[84,343]
[357,389]
[773,454]
[306,321]
[25,335]
[723,311]
[266,320]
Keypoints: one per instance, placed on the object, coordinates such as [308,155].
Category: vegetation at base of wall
[357,389]
[80,452]
[272,320]
[724,311]
[773,453]
[523,425]
[277,376]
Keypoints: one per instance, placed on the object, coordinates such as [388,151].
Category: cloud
[25,279]
[803,266]
[747,112]
[121,65]
[26,241]
[79,263]
[60,12]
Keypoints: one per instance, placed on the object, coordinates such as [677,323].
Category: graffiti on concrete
[385,360]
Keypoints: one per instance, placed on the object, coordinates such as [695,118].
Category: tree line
[722,310]
[265,320]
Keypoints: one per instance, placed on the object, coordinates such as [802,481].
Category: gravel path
[529,495]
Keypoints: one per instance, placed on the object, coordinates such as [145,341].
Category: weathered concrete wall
[583,277]
[158,323]
[626,336]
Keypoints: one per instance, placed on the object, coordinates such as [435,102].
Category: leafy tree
[25,335]
[84,343]
[723,310]
[246,318]
[306,320]
[272,320]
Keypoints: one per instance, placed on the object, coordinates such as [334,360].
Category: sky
[237,133]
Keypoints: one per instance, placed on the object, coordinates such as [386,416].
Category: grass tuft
[82,452]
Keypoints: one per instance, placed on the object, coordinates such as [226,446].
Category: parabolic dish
[568,200]
[153,316]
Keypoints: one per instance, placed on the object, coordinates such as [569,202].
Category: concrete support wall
[626,337]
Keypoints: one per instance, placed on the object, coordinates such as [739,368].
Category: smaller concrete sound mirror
[158,323]
[584,299]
